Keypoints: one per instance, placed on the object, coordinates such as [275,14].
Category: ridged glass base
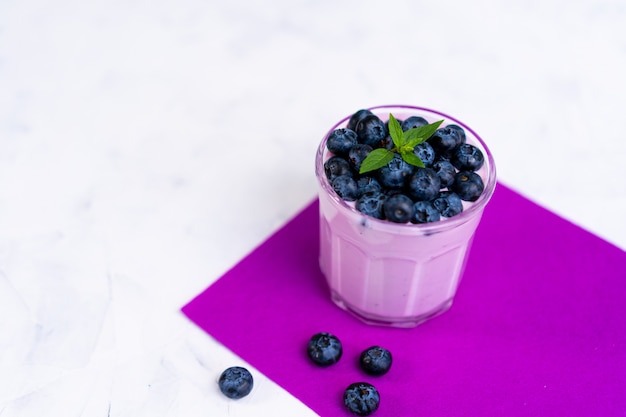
[403,322]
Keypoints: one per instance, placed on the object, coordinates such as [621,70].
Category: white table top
[146,147]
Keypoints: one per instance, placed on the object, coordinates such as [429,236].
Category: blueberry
[445,171]
[459,129]
[357,154]
[395,173]
[356,118]
[425,212]
[445,139]
[425,152]
[423,184]
[466,157]
[392,191]
[340,141]
[361,398]
[387,143]
[336,166]
[398,208]
[375,360]
[345,186]
[367,184]
[324,349]
[468,185]
[372,204]
[413,122]
[448,204]
[372,131]
[235,382]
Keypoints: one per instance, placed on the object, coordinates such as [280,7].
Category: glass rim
[467,214]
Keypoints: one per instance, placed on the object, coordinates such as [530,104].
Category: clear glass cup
[396,274]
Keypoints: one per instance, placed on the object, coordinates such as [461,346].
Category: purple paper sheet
[538,327]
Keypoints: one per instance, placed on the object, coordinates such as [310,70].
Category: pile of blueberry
[324,349]
[399,191]
[361,398]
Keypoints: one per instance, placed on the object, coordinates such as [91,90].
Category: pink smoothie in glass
[396,274]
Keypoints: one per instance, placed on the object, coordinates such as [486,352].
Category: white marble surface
[146,147]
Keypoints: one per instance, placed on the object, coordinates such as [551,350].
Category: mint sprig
[404,143]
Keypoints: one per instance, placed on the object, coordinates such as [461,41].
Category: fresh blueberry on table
[324,349]
[423,184]
[375,360]
[445,171]
[466,157]
[395,173]
[398,208]
[361,398]
[371,204]
[371,130]
[448,203]
[236,382]
[336,166]
[468,185]
[425,212]
[345,186]
[357,117]
[340,141]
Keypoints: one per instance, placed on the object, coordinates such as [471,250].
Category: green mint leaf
[420,134]
[404,143]
[376,159]
[395,130]
[412,159]
[414,142]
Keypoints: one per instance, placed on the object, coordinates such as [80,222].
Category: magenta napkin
[538,327]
